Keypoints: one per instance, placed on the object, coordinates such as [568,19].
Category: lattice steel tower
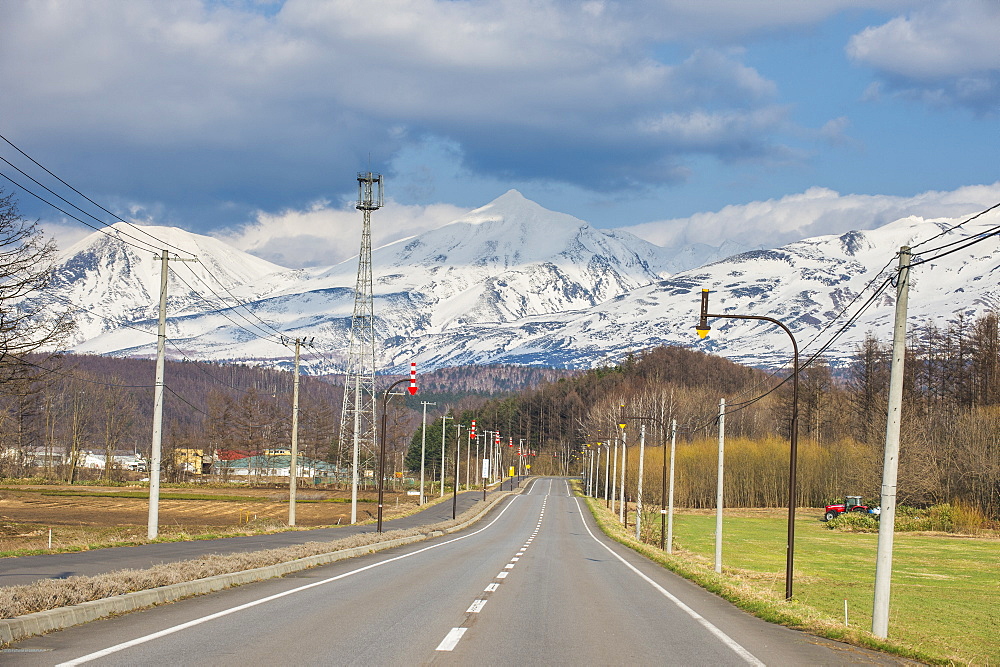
[357,421]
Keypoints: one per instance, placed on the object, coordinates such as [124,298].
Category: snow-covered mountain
[498,264]
[810,286]
[507,283]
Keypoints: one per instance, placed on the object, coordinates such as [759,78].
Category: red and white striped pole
[413,378]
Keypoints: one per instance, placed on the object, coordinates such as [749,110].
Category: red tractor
[851,504]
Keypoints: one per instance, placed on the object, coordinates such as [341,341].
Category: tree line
[951,421]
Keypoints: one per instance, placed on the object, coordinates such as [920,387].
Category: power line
[70,215]
[262,330]
[221,312]
[954,227]
[968,243]
[72,376]
[114,215]
[245,306]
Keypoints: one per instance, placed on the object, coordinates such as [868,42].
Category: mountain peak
[512,205]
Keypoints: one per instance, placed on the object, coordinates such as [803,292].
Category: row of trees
[951,421]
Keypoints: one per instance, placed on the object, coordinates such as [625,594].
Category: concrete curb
[39,623]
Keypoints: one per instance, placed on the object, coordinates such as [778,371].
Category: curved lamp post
[381,450]
[703,330]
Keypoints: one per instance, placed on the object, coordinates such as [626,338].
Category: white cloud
[323,235]
[816,212]
[942,52]
[217,100]
[64,235]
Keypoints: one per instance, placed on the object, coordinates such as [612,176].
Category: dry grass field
[95,515]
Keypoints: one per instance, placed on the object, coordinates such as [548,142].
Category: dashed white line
[502,575]
[232,610]
[476,607]
[450,640]
[508,566]
[492,587]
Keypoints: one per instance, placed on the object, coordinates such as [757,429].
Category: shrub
[968,519]
[854,522]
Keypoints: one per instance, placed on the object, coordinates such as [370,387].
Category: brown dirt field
[28,505]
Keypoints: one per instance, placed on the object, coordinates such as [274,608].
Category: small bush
[945,518]
[968,519]
[854,522]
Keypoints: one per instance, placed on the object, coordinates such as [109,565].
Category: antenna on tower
[357,420]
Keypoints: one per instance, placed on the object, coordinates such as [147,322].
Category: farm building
[275,466]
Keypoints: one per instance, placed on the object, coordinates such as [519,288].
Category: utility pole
[444,431]
[670,505]
[638,493]
[614,478]
[607,473]
[423,449]
[887,520]
[153,522]
[458,457]
[293,463]
[468,453]
[621,504]
[718,489]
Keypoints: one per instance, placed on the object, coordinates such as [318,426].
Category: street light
[703,330]
[381,456]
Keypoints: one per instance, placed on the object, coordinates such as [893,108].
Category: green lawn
[945,597]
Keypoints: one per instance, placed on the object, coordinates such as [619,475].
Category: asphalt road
[28,569]
[533,583]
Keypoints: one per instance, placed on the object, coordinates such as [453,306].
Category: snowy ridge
[510,283]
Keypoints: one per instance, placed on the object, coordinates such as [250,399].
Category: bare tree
[116,411]
[27,323]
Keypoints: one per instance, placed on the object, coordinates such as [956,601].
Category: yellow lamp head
[703,327]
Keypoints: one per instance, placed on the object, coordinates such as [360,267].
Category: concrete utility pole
[718,490]
[638,493]
[887,520]
[293,473]
[607,473]
[621,504]
[293,463]
[444,448]
[458,457]
[423,449]
[614,479]
[156,446]
[670,501]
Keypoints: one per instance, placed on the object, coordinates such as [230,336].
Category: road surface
[534,583]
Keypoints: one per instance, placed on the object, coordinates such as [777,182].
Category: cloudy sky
[684,121]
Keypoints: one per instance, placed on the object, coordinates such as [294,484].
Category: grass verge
[53,593]
[754,592]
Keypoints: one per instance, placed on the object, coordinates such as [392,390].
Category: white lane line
[232,610]
[508,566]
[491,588]
[514,559]
[477,606]
[450,640]
[502,575]
[705,623]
